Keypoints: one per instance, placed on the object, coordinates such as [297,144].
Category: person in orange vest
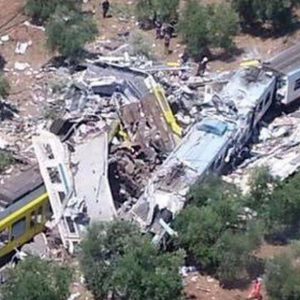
[255,293]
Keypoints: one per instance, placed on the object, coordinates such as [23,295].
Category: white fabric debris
[5,38]
[22,47]
[21,66]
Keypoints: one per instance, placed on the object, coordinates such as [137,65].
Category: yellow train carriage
[23,220]
[24,215]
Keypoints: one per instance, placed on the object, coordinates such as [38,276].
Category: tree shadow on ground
[266,31]
[238,284]
[228,56]
[284,236]
[7,111]
[254,269]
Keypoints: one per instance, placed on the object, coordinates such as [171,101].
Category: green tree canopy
[68,31]
[193,29]
[117,260]
[35,279]
[144,10]
[223,26]
[41,10]
[215,232]
[282,278]
[164,10]
[276,203]
[278,12]
[203,27]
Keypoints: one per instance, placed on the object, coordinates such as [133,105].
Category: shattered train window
[297,85]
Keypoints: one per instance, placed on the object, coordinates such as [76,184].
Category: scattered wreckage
[129,139]
[77,180]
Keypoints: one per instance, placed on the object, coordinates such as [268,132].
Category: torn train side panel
[80,193]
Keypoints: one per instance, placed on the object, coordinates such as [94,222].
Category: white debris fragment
[28,24]
[74,296]
[21,66]
[5,38]
[21,48]
[3,143]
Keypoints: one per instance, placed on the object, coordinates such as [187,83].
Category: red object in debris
[256,290]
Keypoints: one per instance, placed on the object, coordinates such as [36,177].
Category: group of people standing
[164,31]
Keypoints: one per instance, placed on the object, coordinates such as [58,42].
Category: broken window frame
[18,228]
[297,85]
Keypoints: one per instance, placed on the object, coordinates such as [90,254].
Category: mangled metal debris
[130,137]
[278,150]
[230,113]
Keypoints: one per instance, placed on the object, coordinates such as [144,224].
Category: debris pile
[229,114]
[278,149]
[127,112]
[150,132]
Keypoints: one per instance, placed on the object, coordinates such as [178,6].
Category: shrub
[282,278]
[278,12]
[68,32]
[164,10]
[37,279]
[118,261]
[41,10]
[215,233]
[203,27]
[144,10]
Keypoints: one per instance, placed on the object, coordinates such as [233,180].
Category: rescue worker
[158,30]
[255,293]
[202,67]
[184,57]
[167,40]
[169,29]
[105,8]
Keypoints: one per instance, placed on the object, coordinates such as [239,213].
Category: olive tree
[278,12]
[215,233]
[118,261]
[68,31]
[35,279]
[41,10]
[282,278]
[203,27]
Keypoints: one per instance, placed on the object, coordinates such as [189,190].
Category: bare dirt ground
[22,84]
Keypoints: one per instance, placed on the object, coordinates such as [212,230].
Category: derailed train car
[24,209]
